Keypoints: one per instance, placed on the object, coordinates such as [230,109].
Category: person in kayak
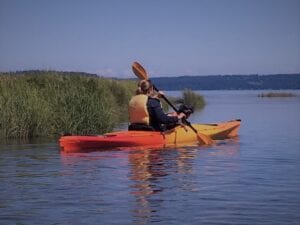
[146,113]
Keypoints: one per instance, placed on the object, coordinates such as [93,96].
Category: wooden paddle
[141,73]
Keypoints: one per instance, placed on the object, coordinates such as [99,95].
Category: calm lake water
[254,179]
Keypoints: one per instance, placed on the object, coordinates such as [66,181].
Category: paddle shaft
[167,100]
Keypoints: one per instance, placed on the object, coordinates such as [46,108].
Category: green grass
[48,103]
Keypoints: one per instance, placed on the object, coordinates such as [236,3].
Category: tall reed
[50,103]
[191,98]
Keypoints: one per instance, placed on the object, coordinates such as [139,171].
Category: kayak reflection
[152,174]
[159,181]
[158,176]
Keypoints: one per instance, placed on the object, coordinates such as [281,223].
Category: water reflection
[156,175]
[146,169]
[158,180]
[223,158]
[229,147]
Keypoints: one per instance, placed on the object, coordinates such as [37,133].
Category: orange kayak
[180,135]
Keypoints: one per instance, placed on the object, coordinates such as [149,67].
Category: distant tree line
[229,82]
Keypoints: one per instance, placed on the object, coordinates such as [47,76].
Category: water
[254,179]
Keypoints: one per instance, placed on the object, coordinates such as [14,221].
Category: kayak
[180,135]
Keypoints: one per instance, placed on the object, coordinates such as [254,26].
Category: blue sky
[169,37]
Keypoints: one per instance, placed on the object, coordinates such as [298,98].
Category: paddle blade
[139,71]
[204,139]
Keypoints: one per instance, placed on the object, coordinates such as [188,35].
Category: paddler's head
[145,87]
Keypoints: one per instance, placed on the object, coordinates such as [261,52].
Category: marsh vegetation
[277,94]
[50,103]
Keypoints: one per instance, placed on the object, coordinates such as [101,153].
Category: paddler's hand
[181,116]
[172,114]
[160,94]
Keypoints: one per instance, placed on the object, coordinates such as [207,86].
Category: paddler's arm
[156,111]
